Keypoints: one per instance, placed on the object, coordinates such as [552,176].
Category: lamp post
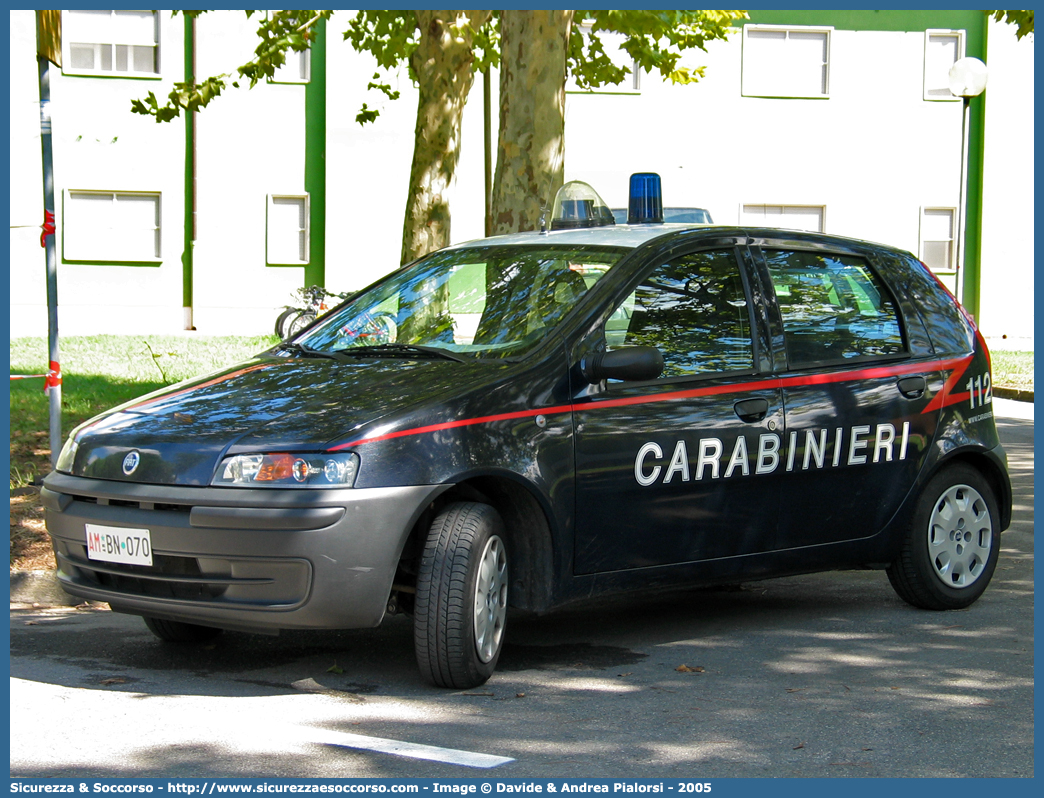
[967,79]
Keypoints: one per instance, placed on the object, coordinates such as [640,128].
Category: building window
[791,217]
[111,226]
[942,48]
[111,43]
[938,226]
[786,62]
[297,68]
[287,229]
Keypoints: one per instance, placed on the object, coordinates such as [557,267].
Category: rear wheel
[951,548]
[180,632]
[283,320]
[461,605]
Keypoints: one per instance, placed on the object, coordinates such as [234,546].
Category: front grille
[134,505]
[168,577]
[141,579]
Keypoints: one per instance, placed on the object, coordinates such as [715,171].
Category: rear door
[858,422]
[683,468]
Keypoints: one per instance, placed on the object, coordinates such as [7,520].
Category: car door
[683,468]
[855,397]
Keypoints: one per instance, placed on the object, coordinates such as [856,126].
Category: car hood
[181,433]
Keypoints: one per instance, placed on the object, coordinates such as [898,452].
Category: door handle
[912,387]
[751,409]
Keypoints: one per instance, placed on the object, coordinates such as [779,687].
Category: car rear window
[833,308]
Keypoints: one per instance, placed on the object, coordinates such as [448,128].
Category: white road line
[431,753]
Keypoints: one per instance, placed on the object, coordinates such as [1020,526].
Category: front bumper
[238,558]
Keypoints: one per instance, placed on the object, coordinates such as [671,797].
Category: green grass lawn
[99,372]
[1013,370]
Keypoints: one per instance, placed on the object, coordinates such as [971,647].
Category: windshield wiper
[306,351]
[399,350]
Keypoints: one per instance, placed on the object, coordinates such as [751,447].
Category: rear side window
[833,307]
[694,310]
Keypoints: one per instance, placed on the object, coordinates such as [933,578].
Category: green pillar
[315,159]
[972,266]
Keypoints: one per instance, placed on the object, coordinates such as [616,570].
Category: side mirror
[633,363]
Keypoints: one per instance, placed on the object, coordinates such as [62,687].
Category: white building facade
[834,121]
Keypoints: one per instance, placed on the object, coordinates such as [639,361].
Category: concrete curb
[40,587]
[1014,393]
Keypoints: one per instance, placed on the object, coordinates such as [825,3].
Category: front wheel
[951,548]
[299,322]
[461,605]
[284,319]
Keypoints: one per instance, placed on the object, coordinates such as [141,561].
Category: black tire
[299,322]
[283,319]
[951,547]
[180,632]
[456,646]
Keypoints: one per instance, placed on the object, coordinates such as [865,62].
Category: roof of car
[618,235]
[632,236]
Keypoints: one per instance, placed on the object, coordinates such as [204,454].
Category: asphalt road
[828,675]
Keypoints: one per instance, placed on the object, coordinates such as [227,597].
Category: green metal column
[190,178]
[972,266]
[315,159]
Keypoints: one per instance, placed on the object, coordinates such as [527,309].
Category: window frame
[783,207]
[67,42]
[280,76]
[953,267]
[960,36]
[273,260]
[747,78]
[79,256]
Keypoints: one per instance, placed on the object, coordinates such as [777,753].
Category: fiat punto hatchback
[527,420]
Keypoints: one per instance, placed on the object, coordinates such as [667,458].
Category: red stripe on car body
[943,399]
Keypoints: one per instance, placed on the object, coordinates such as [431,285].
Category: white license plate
[119,544]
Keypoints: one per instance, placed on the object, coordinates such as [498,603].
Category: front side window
[485,301]
[111,226]
[786,61]
[694,310]
[111,42]
[834,308]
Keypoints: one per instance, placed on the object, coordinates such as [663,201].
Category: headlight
[68,455]
[289,470]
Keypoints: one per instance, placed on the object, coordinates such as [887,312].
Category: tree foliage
[442,51]
[1023,19]
[279,33]
[656,40]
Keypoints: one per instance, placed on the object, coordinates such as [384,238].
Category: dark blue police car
[531,419]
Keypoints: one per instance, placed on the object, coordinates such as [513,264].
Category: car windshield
[495,301]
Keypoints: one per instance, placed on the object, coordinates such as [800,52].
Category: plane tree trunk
[531,147]
[442,64]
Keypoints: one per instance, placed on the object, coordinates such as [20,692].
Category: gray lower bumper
[239,558]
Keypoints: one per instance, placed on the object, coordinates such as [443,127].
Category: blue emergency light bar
[645,205]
